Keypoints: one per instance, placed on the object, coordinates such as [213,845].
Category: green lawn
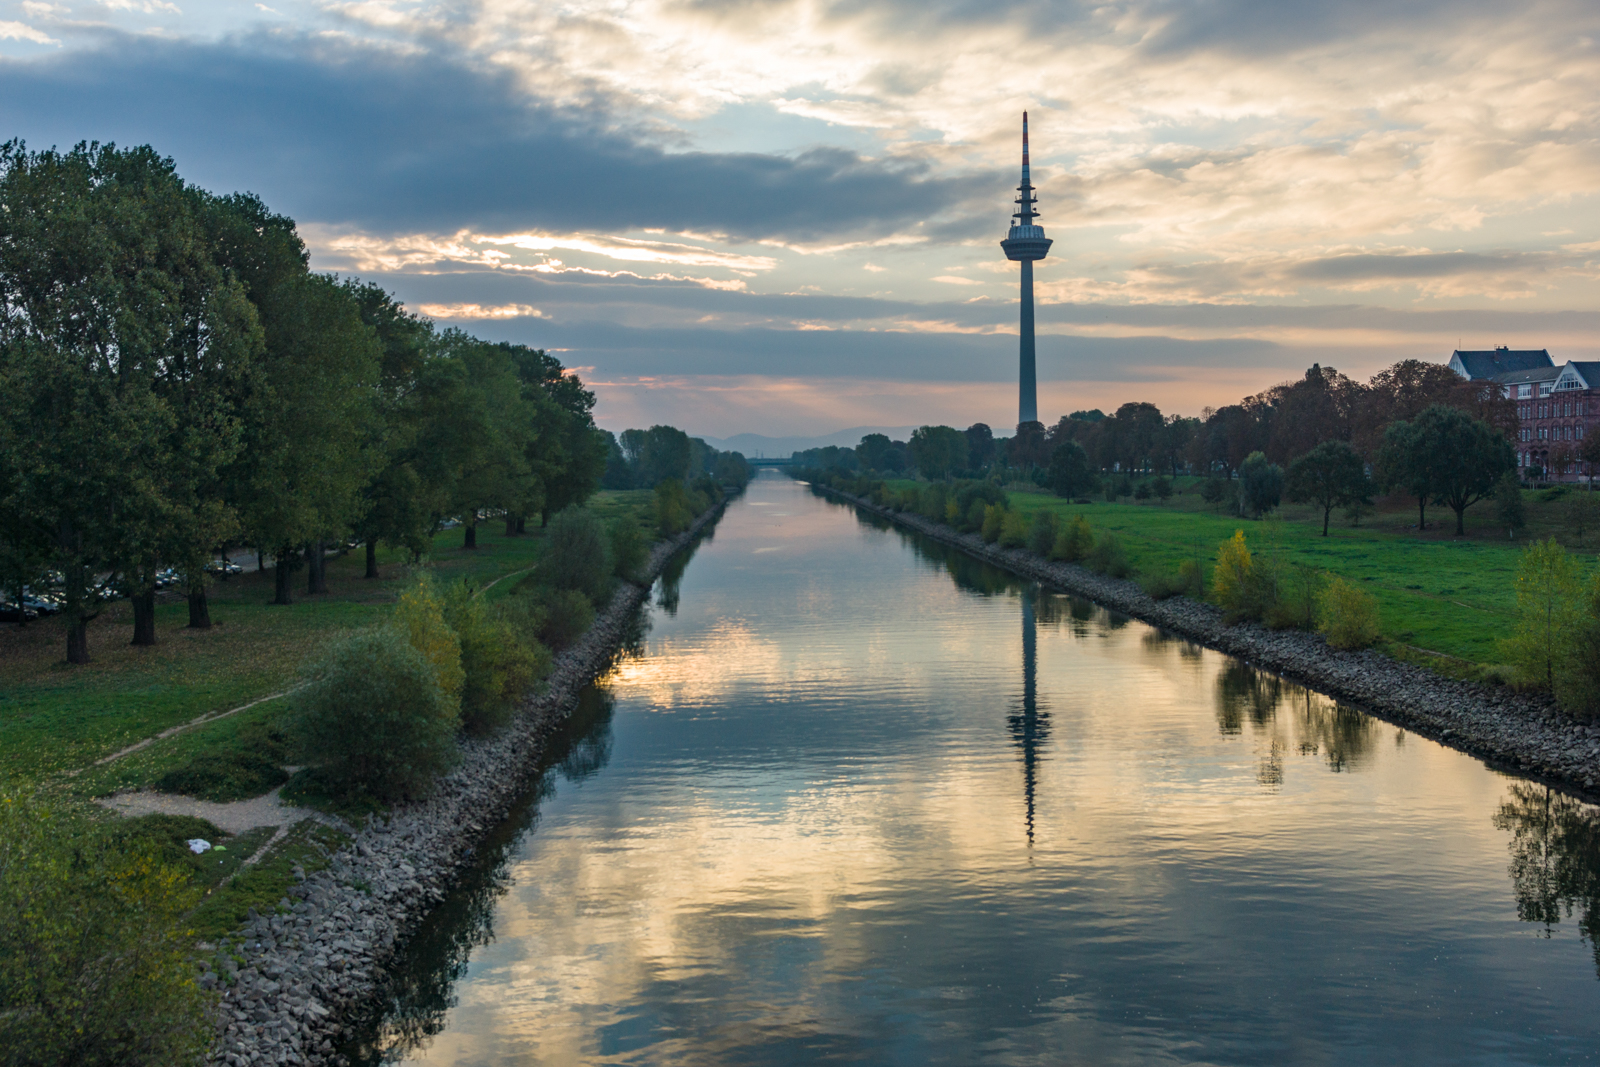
[1436,592]
[55,717]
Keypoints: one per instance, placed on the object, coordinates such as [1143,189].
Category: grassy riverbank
[61,718]
[1445,601]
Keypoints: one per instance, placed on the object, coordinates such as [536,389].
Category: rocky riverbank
[1521,732]
[305,974]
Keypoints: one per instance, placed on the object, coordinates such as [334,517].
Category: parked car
[42,603]
[165,579]
[10,611]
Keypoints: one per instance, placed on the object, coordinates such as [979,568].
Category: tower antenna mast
[1024,244]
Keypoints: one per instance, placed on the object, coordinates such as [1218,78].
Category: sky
[783,216]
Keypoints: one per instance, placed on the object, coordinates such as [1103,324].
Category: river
[856,798]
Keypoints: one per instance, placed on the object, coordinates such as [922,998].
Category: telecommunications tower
[1026,243]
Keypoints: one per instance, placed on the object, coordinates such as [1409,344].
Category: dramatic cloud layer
[766,205]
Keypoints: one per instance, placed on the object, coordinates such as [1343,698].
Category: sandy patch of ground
[235,816]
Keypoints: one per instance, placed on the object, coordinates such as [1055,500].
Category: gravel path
[1520,732]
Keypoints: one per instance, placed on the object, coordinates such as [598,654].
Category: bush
[1548,604]
[1260,484]
[975,517]
[248,766]
[675,511]
[1185,581]
[1193,578]
[952,513]
[994,518]
[1217,490]
[1142,492]
[1107,557]
[374,719]
[1577,685]
[1162,487]
[94,955]
[224,776]
[1347,616]
[556,617]
[577,554]
[1232,579]
[419,619]
[1042,534]
[1294,600]
[1014,530]
[629,550]
[1509,507]
[1074,541]
[933,501]
[500,660]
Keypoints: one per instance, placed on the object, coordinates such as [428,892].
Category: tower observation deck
[1025,243]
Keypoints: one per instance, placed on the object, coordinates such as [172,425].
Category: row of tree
[644,459]
[174,379]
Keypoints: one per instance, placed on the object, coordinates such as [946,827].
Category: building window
[1580,432]
[1524,391]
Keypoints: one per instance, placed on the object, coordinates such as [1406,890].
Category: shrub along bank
[1485,612]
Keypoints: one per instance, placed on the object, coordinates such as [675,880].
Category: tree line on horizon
[1324,438]
[175,379]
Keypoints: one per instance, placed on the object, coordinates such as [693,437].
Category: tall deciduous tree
[1071,474]
[309,430]
[1465,458]
[1329,476]
[121,346]
[937,450]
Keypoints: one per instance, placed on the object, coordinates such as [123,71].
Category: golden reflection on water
[890,806]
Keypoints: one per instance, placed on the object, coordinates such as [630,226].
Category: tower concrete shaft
[1025,243]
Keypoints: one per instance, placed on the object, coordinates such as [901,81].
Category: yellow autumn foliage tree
[419,617]
[1230,581]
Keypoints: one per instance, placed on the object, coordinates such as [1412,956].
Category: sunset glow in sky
[783,217]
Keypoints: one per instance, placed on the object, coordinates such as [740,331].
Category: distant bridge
[774,461]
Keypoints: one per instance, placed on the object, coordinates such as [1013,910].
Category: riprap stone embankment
[1524,732]
[307,973]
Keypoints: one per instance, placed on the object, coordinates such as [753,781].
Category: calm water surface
[861,800]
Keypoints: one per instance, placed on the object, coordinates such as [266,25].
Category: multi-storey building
[1556,406]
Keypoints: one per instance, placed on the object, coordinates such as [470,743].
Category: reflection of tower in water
[1031,728]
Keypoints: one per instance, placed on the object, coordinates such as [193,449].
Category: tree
[121,349]
[1319,407]
[876,452]
[1547,613]
[1399,394]
[570,454]
[1329,476]
[937,450]
[1028,448]
[1400,464]
[96,967]
[1509,506]
[1070,472]
[1462,456]
[1260,485]
[398,506]
[1589,452]
[980,446]
[309,434]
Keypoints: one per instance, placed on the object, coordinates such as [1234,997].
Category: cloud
[632,250]
[478,311]
[335,130]
[17,31]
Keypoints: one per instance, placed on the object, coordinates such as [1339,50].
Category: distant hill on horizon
[755,444]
